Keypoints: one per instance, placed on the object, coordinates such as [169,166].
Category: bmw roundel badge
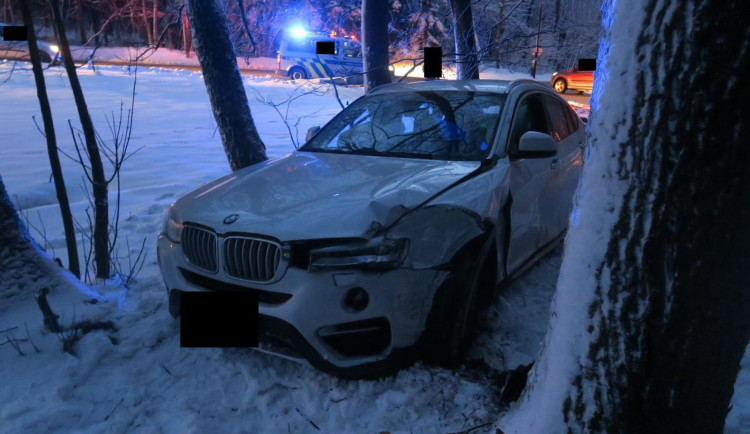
[231,218]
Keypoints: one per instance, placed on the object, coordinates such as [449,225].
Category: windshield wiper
[424,155]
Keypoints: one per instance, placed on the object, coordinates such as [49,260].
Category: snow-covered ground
[138,379]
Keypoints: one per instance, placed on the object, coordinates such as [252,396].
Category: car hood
[310,195]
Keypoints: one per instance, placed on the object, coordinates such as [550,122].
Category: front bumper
[304,314]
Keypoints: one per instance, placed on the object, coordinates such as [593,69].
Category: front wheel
[453,319]
[297,74]
[560,85]
[44,57]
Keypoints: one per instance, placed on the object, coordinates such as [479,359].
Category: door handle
[581,145]
[555,163]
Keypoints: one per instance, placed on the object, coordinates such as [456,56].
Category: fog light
[356,300]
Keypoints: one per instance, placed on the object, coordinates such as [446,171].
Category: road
[196,68]
[582,98]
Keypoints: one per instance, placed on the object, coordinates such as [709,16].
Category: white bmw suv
[389,229]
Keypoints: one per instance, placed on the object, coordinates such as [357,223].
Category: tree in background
[96,174]
[416,24]
[504,30]
[49,133]
[467,65]
[650,318]
[375,43]
[226,92]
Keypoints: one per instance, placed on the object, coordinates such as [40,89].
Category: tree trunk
[375,43]
[187,37]
[226,92]
[146,24]
[10,15]
[49,132]
[94,16]
[81,18]
[154,32]
[498,36]
[21,268]
[427,11]
[13,236]
[650,318]
[467,66]
[99,182]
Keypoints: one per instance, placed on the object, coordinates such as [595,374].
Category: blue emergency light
[298,32]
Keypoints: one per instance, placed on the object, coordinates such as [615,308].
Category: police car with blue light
[300,56]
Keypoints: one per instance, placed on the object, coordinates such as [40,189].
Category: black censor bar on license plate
[218,319]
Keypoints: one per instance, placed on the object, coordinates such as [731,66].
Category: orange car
[580,79]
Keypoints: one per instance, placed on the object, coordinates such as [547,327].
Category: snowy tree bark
[650,318]
[49,132]
[498,34]
[467,66]
[226,92]
[98,181]
[19,263]
[375,43]
[13,235]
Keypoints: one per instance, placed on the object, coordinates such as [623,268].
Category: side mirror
[534,144]
[311,132]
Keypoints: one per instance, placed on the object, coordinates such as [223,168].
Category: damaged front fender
[436,233]
[439,229]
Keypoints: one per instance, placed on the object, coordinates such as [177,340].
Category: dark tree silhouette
[49,132]
[226,92]
[652,317]
[375,19]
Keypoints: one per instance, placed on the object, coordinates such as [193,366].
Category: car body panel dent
[451,227]
[433,244]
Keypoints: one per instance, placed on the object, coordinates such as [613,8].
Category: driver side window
[529,116]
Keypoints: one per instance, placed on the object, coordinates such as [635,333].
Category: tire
[297,73]
[560,85]
[453,319]
[44,57]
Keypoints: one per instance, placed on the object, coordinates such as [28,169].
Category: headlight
[379,253]
[54,48]
[172,228]
[554,74]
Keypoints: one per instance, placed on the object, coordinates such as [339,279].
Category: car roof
[492,86]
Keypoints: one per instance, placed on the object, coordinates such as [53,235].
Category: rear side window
[572,118]
[559,122]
